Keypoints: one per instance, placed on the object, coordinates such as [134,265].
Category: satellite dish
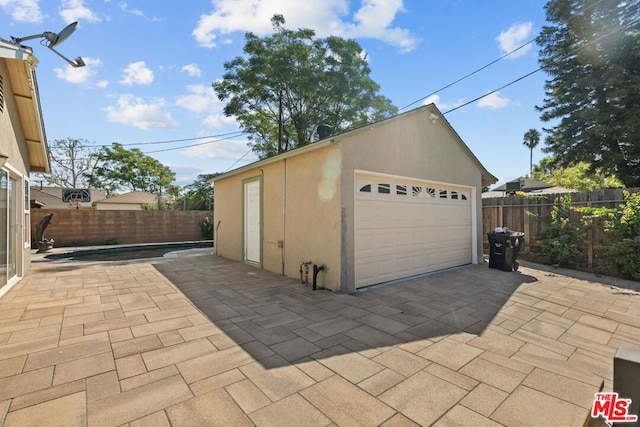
[324,131]
[64,34]
[54,40]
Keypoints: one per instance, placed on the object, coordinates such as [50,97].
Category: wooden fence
[528,214]
[84,227]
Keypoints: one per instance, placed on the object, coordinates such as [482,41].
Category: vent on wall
[1,95]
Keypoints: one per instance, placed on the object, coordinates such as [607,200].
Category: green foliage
[300,81]
[624,226]
[199,194]
[590,51]
[119,169]
[561,240]
[531,140]
[581,176]
[206,229]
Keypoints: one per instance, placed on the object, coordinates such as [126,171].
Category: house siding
[14,146]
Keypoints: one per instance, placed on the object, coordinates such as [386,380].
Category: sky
[150,65]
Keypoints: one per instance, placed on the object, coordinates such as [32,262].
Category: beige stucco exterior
[308,194]
[23,141]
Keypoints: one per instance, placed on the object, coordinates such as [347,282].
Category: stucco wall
[300,208]
[13,145]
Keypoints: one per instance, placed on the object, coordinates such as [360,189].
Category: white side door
[252,223]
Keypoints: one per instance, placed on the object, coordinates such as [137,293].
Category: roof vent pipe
[324,131]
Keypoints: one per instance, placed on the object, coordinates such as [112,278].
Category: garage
[405,226]
[386,201]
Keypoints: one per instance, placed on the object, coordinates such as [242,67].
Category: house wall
[300,208]
[408,145]
[13,145]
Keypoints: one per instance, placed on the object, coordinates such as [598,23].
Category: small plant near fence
[206,229]
[562,239]
[622,255]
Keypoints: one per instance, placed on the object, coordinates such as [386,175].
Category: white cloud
[494,101]
[136,12]
[81,75]
[75,10]
[192,69]
[515,36]
[435,99]
[201,100]
[132,111]
[374,19]
[102,84]
[137,73]
[222,150]
[23,10]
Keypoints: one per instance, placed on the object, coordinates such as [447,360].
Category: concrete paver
[200,340]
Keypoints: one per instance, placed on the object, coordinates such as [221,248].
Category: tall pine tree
[591,51]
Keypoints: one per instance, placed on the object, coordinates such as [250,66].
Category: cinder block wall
[71,227]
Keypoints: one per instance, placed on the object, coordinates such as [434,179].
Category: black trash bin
[503,250]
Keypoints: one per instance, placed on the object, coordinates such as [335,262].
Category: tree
[120,169]
[579,177]
[199,194]
[72,161]
[531,140]
[290,82]
[591,52]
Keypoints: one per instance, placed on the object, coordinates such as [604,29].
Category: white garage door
[405,227]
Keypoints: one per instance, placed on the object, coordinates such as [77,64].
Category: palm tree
[531,140]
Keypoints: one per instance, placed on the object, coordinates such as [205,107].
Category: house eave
[21,64]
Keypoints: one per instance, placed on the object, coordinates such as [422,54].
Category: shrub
[561,240]
[206,229]
[622,254]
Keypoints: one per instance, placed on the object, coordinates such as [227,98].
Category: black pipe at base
[316,270]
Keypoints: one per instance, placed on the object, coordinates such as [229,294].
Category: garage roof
[487,178]
[21,65]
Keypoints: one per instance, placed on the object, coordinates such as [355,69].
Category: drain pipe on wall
[316,270]
[215,243]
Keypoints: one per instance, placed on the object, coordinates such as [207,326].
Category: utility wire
[176,140]
[233,135]
[493,91]
[469,75]
[243,156]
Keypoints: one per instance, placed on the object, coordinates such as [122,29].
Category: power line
[233,135]
[493,91]
[243,156]
[470,74]
[169,141]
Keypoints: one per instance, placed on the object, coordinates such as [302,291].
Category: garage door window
[365,188]
[384,189]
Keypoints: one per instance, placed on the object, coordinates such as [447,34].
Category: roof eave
[36,144]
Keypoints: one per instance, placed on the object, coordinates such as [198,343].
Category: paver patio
[201,340]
